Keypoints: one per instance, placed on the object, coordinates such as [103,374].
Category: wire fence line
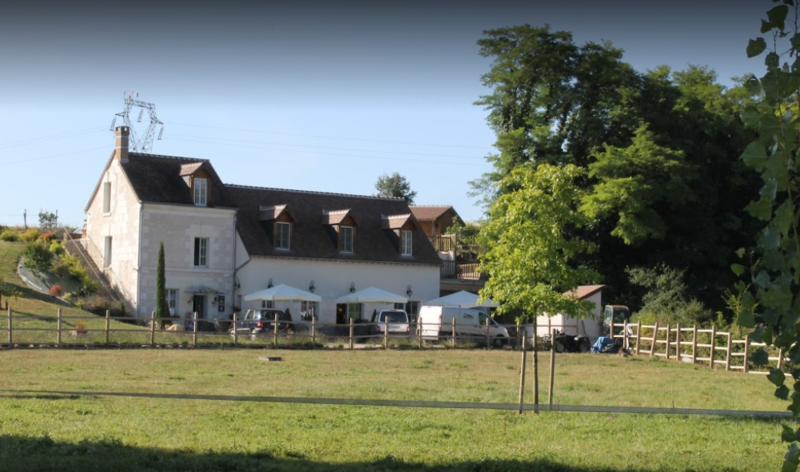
[52,394]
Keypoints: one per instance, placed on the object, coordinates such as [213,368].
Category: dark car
[261,322]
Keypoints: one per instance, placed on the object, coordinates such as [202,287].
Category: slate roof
[313,239]
[157,179]
[584,291]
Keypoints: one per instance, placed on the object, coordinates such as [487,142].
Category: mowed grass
[42,431]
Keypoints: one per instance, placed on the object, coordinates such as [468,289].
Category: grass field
[82,432]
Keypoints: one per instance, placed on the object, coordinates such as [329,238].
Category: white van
[436,322]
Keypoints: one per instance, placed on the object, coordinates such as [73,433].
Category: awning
[461,299]
[283,293]
[202,290]
[372,295]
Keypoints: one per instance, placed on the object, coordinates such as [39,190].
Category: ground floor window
[308,310]
[172,300]
[354,311]
[267,304]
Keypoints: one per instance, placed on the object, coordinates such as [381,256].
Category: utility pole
[25,219]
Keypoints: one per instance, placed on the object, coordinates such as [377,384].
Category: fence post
[638,336]
[314,330]
[194,329]
[713,344]
[746,353]
[780,358]
[552,370]
[235,332]
[654,343]
[10,331]
[58,329]
[351,334]
[454,332]
[678,342]
[275,332]
[419,332]
[522,372]
[669,337]
[694,343]
[487,333]
[152,329]
[385,331]
[728,356]
[516,335]
[624,335]
[108,325]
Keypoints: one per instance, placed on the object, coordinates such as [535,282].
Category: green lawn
[45,431]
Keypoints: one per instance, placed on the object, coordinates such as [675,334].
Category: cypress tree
[162,307]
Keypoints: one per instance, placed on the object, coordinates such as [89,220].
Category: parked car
[395,321]
[262,322]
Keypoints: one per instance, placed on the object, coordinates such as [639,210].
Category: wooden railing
[444,242]
[454,270]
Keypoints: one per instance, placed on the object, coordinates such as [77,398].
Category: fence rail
[690,344]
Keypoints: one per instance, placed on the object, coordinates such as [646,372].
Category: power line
[327,137]
[67,134]
[51,156]
[334,148]
[427,161]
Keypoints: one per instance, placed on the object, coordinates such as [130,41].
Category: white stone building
[225,241]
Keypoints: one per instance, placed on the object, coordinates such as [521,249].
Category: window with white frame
[200,192]
[308,310]
[406,243]
[106,197]
[267,304]
[282,234]
[107,251]
[346,239]
[354,311]
[172,300]
[201,252]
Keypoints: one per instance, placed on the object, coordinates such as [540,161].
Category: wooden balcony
[454,270]
[444,242]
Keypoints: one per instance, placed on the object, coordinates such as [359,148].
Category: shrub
[61,268]
[37,256]
[56,248]
[89,286]
[30,235]
[80,325]
[97,304]
[47,237]
[9,235]
[56,290]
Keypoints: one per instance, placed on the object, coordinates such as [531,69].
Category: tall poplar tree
[162,306]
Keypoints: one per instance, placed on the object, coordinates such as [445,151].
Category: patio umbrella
[371,295]
[283,293]
[460,299]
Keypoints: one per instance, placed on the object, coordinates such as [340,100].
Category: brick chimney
[122,135]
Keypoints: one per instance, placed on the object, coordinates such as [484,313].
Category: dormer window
[200,192]
[283,233]
[346,239]
[406,243]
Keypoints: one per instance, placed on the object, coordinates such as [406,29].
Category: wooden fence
[693,345]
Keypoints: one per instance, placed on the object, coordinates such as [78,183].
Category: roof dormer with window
[401,229]
[198,179]
[344,228]
[278,224]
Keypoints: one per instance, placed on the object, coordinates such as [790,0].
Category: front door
[341,313]
[199,306]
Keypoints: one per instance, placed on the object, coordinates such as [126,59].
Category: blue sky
[314,96]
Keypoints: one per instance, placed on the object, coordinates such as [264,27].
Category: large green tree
[770,296]
[664,185]
[162,306]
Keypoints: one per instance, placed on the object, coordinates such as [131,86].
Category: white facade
[590,326]
[333,279]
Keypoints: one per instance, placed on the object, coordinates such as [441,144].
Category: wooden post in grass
[235,332]
[694,343]
[654,343]
[275,331]
[152,329]
[746,353]
[314,330]
[454,332]
[669,336]
[194,329]
[678,342]
[522,373]
[780,358]
[487,333]
[419,332]
[385,331]
[638,336]
[713,344]
[625,340]
[536,366]
[108,325]
[728,355]
[58,329]
[10,331]
[351,334]
[552,370]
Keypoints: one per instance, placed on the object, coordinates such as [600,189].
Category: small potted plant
[80,329]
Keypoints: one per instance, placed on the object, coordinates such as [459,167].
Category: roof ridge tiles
[163,156]
[315,192]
